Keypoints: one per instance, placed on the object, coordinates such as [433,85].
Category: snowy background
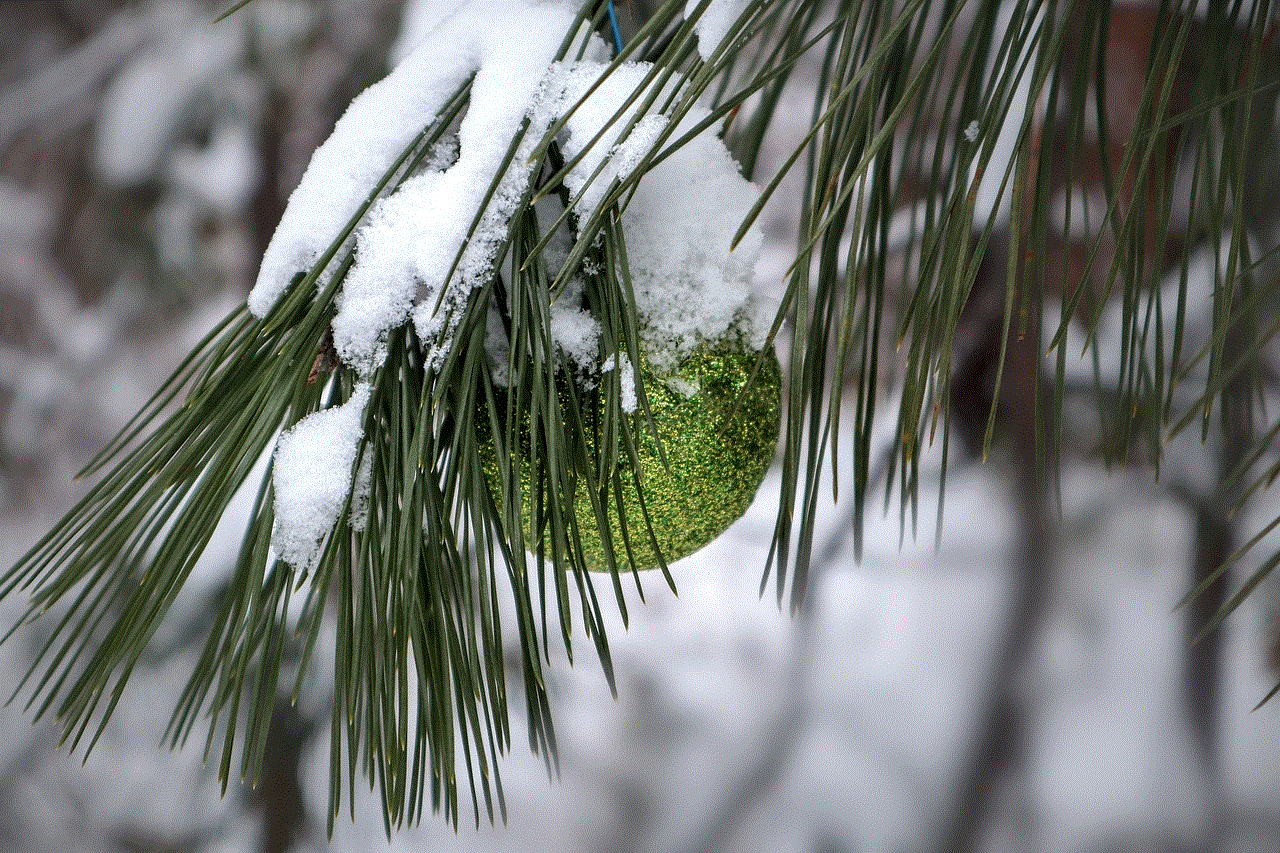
[144,159]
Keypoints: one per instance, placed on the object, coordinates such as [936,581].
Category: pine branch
[490,454]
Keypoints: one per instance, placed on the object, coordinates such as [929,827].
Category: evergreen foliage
[951,112]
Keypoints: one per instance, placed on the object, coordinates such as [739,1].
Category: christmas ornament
[718,443]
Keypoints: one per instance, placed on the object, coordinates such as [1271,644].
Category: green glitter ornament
[718,443]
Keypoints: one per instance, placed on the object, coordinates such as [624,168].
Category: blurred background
[915,704]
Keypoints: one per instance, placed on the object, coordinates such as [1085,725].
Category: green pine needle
[911,102]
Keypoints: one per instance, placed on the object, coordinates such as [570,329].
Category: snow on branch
[502,51]
[425,247]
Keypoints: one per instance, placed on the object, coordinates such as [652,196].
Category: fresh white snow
[313,476]
[691,284]
[626,378]
[425,247]
[421,252]
[499,50]
[574,330]
[715,22]
[699,673]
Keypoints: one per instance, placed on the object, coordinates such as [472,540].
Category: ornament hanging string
[617,33]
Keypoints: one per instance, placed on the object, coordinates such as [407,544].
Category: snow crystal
[312,477]
[682,386]
[626,376]
[442,155]
[574,330]
[971,131]
[612,158]
[715,22]
[690,286]
[483,141]
[627,154]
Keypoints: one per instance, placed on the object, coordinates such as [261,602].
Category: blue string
[617,33]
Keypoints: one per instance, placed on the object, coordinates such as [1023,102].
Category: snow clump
[626,378]
[714,24]
[312,476]
[691,284]
[417,254]
[503,52]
